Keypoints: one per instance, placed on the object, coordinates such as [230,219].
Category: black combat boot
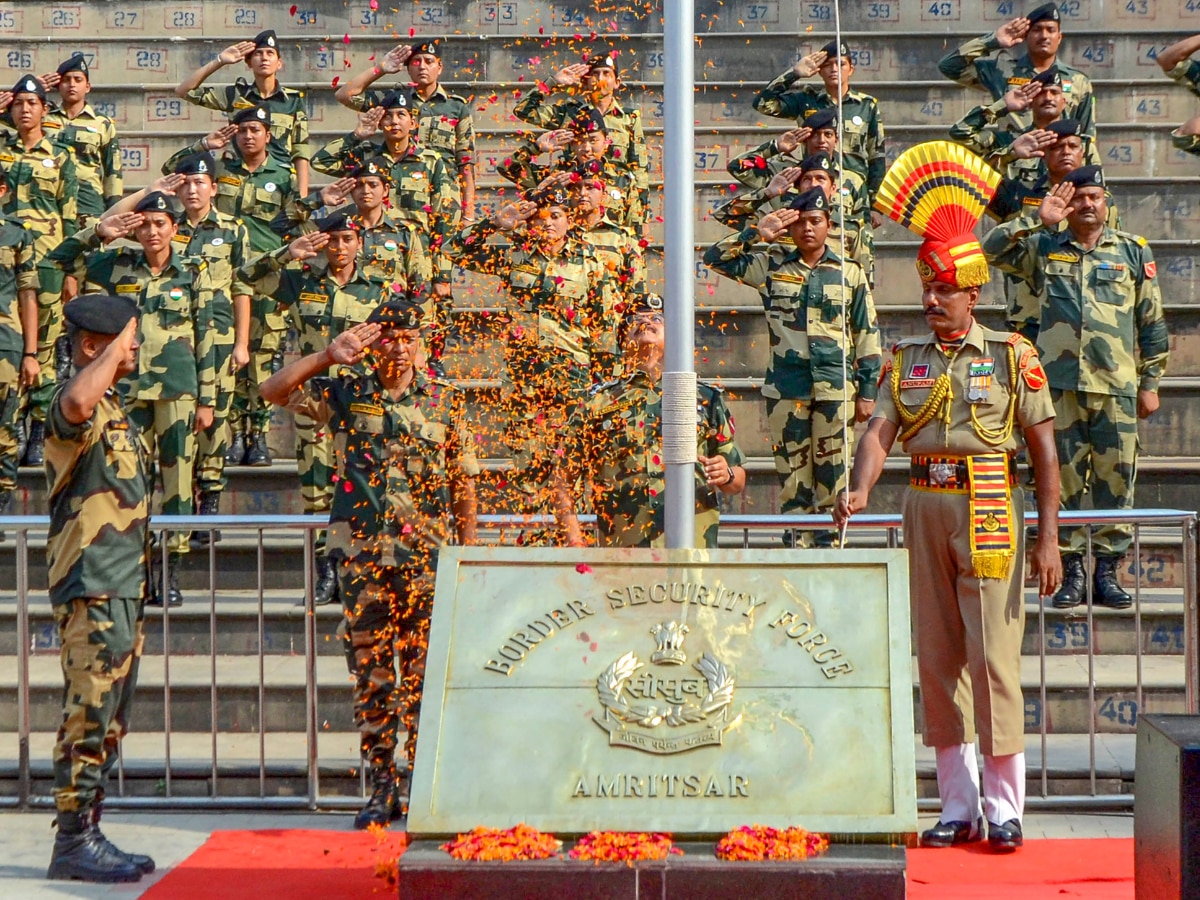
[326,589]
[5,506]
[141,860]
[81,853]
[210,505]
[62,359]
[33,446]
[174,595]
[235,453]
[257,452]
[1074,583]
[381,806]
[1105,589]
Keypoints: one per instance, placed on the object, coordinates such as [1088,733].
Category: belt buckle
[942,473]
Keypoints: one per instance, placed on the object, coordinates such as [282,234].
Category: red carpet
[298,865]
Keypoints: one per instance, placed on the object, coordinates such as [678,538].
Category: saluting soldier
[173,392]
[406,462]
[616,246]
[317,279]
[443,119]
[42,193]
[255,187]
[18,341]
[1176,61]
[862,127]
[960,400]
[823,329]
[1040,30]
[1103,336]
[614,439]
[99,480]
[288,121]
[593,82]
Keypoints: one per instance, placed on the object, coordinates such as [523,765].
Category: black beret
[1051,76]
[396,100]
[432,47]
[1085,176]
[100,313]
[266,39]
[1066,127]
[156,201]
[586,168]
[813,198]
[335,221]
[1047,11]
[644,303]
[29,84]
[601,61]
[822,118]
[833,49]
[555,195]
[252,114]
[77,62]
[588,120]
[197,164]
[817,161]
[399,313]
[377,166]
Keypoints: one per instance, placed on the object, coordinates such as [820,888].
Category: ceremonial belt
[988,479]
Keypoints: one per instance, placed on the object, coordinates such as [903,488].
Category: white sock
[1003,787]
[958,783]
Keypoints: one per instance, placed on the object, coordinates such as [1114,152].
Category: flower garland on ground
[503,844]
[761,842]
[623,846]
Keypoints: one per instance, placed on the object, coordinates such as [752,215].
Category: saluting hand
[510,215]
[1057,204]
[1012,32]
[807,66]
[118,226]
[571,75]
[219,139]
[395,59]
[774,225]
[549,141]
[334,193]
[782,183]
[1033,144]
[368,122]
[50,81]
[235,53]
[1021,97]
[790,140]
[167,184]
[349,347]
[307,245]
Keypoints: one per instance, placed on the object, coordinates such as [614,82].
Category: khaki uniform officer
[960,400]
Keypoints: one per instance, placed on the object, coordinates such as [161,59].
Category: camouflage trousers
[806,438]
[50,329]
[212,443]
[1097,440]
[166,429]
[268,327]
[101,648]
[386,627]
[315,466]
[10,409]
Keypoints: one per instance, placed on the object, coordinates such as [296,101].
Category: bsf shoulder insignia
[656,713]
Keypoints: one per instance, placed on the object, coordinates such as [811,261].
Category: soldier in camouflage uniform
[862,127]
[814,302]
[616,246]
[615,437]
[406,461]
[422,190]
[98,476]
[174,390]
[1176,61]
[1103,338]
[255,187]
[325,296]
[593,83]
[1041,31]
[288,120]
[18,342]
[561,327]
[42,194]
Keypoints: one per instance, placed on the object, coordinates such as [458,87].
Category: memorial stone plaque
[686,690]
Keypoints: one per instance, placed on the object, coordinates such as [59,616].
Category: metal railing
[239,782]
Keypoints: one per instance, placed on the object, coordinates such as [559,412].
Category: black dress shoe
[947,834]
[1005,838]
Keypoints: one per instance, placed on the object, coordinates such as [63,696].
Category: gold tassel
[972,274]
[992,564]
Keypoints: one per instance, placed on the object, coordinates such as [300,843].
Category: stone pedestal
[866,872]
[1166,823]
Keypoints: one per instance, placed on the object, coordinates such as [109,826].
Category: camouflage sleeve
[721,436]
[864,331]
[471,249]
[1188,143]
[603,298]
[742,209]
[239,256]
[317,399]
[204,335]
[418,271]
[446,214]
[535,109]
[65,430]
[332,158]
[464,138]
[633,280]
[114,173]
[262,274]
[779,100]
[301,149]
[295,212]
[964,64]
[68,195]
[364,100]
[461,455]
[1152,338]
[519,167]
[220,99]
[977,129]
[67,255]
[1084,102]
[1012,248]
[639,162]
[1187,73]
[876,150]
[751,169]
[169,166]
[734,257]
[26,266]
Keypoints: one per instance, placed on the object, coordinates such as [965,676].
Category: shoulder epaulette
[605,385]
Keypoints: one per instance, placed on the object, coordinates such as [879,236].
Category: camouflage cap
[1066,128]
[400,313]
[77,63]
[819,161]
[1085,176]
[30,84]
[1045,12]
[100,313]
[266,38]
[433,47]
[258,114]
[822,118]
[155,201]
[197,164]
[813,198]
